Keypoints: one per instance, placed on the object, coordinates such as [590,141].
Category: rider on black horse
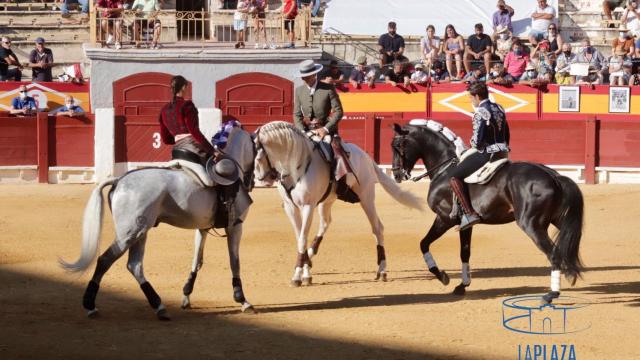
[491,140]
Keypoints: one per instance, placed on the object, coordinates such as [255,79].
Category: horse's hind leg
[134,265]
[465,255]
[538,232]
[438,228]
[113,253]
[367,201]
[324,210]
[199,242]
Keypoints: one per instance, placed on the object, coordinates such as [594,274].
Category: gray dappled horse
[140,200]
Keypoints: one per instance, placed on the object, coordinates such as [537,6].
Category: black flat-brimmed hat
[308,68]
[224,171]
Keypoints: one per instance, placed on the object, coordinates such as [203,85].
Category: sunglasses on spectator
[7,42]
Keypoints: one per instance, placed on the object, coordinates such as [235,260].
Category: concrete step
[27,6]
[73,35]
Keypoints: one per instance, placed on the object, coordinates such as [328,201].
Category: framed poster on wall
[569,99]
[619,99]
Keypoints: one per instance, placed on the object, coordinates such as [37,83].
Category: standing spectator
[504,42]
[111,20]
[419,76]
[555,39]
[332,74]
[69,109]
[146,17]
[502,19]
[609,5]
[630,18]
[615,66]
[8,58]
[259,15]
[289,13]
[430,47]
[516,62]
[84,5]
[541,17]
[479,47]
[453,46]
[439,74]
[390,46]
[41,61]
[597,63]
[240,18]
[362,74]
[623,42]
[397,75]
[23,104]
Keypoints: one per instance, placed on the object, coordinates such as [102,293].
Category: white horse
[286,155]
[143,198]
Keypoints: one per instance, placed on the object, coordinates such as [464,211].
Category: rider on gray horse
[491,140]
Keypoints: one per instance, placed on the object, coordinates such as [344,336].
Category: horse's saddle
[339,171]
[486,172]
[195,170]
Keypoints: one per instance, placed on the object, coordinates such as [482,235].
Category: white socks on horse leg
[555,280]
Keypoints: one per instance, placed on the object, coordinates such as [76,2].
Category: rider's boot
[470,216]
[344,172]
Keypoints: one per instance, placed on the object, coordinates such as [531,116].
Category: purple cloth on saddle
[219,140]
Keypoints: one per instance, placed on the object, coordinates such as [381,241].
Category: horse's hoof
[186,304]
[247,308]
[92,314]
[307,281]
[548,297]
[444,278]
[460,290]
[163,315]
[296,283]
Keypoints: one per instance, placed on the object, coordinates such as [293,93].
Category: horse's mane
[287,146]
[441,131]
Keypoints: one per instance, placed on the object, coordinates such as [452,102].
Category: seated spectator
[23,104]
[439,74]
[498,76]
[111,21]
[609,5]
[419,76]
[8,58]
[453,48]
[84,5]
[623,42]
[397,75]
[41,61]
[593,78]
[634,79]
[515,62]
[627,72]
[430,47]
[541,17]
[69,109]
[475,75]
[543,60]
[361,74]
[502,19]
[597,62]
[504,42]
[390,46]
[331,74]
[146,18]
[615,66]
[637,47]
[630,18]
[289,13]
[479,47]
[532,78]
[563,75]
[567,54]
[555,39]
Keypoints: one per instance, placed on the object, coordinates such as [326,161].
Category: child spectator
[361,74]
[504,42]
[397,75]
[289,13]
[240,18]
[419,76]
[430,47]
[439,74]
[453,47]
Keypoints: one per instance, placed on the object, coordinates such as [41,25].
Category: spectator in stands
[563,66]
[634,79]
[439,74]
[69,109]
[542,16]
[593,78]
[502,19]
[289,13]
[609,5]
[84,6]
[23,104]
[361,74]
[240,18]
[544,60]
[111,21]
[530,76]
[259,15]
[475,75]
[479,47]
[555,39]
[397,75]
[515,62]
[430,47]
[627,73]
[630,18]
[147,12]
[637,47]
[419,76]
[618,58]
[8,58]
[391,46]
[623,42]
[453,47]
[331,74]
[41,61]
[498,76]
[597,63]
[504,42]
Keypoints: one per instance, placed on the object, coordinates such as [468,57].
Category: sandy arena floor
[345,314]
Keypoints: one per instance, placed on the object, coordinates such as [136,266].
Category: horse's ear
[398,129]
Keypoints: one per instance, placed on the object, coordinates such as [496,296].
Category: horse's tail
[91,229]
[406,198]
[567,241]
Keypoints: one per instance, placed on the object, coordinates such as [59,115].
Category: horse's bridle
[438,169]
[257,147]
[406,175]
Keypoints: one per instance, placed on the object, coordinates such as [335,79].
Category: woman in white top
[629,18]
[430,47]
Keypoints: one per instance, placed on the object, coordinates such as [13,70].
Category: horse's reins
[430,172]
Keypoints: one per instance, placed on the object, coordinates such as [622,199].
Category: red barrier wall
[18,141]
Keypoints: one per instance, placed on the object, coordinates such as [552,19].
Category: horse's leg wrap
[188,287]
[303,258]
[315,245]
[238,294]
[89,298]
[151,294]
[381,254]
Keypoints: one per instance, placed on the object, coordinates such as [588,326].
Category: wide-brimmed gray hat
[224,171]
[308,68]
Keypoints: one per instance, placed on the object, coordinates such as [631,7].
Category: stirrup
[468,221]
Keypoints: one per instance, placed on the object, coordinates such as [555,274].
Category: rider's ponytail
[177,83]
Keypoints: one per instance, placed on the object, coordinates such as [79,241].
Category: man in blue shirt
[69,109]
[23,104]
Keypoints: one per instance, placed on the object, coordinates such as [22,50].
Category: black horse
[531,194]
